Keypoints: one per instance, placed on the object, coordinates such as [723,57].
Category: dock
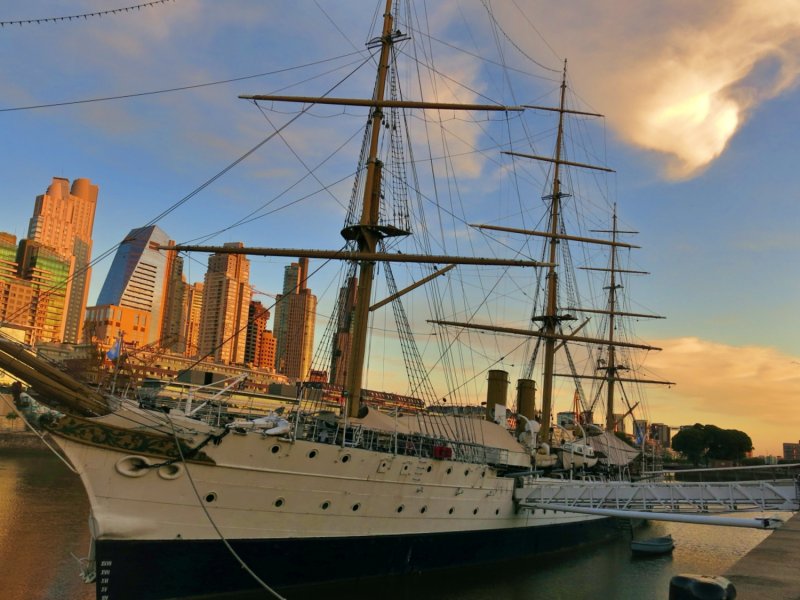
[771,570]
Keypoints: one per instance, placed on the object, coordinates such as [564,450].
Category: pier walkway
[771,570]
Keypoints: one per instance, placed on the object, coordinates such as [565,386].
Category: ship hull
[154,570]
[291,509]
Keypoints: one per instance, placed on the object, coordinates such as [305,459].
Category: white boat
[656,545]
[179,506]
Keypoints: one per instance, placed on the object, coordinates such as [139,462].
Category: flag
[113,353]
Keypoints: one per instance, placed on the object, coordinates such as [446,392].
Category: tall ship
[350,482]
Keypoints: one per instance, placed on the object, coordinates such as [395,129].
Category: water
[44,513]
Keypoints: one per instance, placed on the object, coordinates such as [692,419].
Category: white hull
[270,488]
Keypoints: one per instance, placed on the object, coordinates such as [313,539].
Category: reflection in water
[43,517]
[44,514]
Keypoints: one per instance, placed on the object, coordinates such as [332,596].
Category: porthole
[278,502]
[346,458]
[400,508]
[312,454]
[211,497]
[429,469]
[275,449]
[450,511]
[497,511]
[475,511]
[423,510]
[356,507]
[449,470]
[325,505]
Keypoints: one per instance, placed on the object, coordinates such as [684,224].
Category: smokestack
[526,401]
[496,392]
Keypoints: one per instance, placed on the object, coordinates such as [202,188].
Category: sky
[701,121]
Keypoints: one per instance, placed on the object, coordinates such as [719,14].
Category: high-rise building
[33,283]
[226,302]
[662,434]
[265,352]
[193,310]
[640,430]
[295,315]
[138,278]
[342,338]
[49,275]
[260,347]
[63,219]
[174,312]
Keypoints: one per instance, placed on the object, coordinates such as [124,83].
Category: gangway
[668,501]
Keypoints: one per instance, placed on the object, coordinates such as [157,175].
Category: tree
[692,443]
[708,442]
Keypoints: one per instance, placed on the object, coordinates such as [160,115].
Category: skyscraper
[33,284]
[192,310]
[226,301]
[138,278]
[342,337]
[257,318]
[174,312]
[63,219]
[295,315]
[48,273]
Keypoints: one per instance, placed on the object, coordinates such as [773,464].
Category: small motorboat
[657,545]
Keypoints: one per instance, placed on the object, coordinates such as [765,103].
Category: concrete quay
[771,570]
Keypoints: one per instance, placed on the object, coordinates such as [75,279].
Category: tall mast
[367,235]
[611,367]
[551,316]
[369,231]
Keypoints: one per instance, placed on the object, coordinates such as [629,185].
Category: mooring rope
[233,552]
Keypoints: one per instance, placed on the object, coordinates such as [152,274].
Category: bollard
[701,587]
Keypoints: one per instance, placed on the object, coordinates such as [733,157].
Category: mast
[611,367]
[551,317]
[366,233]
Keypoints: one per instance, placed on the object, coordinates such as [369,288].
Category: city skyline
[700,121]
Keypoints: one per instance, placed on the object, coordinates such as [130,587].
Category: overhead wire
[84,16]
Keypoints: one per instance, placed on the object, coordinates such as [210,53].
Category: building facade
[63,219]
[791,451]
[137,279]
[260,346]
[295,316]
[226,303]
[33,287]
[193,311]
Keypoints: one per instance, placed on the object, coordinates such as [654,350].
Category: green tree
[692,443]
[701,443]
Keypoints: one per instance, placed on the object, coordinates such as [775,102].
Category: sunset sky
[702,127]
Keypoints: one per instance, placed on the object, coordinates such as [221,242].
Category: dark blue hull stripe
[156,570]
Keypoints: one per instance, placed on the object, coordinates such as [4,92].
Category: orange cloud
[752,388]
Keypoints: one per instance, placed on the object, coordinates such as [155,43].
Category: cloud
[752,388]
[678,78]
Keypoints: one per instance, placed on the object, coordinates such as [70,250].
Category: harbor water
[44,514]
